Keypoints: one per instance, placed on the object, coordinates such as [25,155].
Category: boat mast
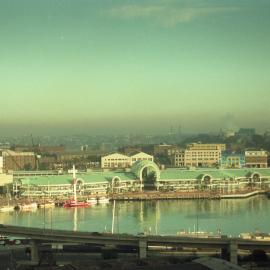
[113,216]
[74,183]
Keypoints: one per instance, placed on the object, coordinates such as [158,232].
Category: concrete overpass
[37,235]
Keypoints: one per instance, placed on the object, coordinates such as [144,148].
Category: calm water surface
[162,217]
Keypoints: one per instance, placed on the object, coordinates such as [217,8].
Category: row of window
[136,159]
[115,159]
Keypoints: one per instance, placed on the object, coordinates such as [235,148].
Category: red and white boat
[75,202]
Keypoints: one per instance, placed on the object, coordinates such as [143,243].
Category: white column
[142,248]
[34,251]
[233,252]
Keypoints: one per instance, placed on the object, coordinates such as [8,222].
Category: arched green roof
[139,165]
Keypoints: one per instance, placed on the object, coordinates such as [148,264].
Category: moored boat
[46,205]
[28,206]
[6,208]
[92,201]
[75,203]
[103,199]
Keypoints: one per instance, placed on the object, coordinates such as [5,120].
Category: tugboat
[75,202]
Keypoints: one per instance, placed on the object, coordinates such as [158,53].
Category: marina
[163,217]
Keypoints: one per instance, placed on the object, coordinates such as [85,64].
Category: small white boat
[28,207]
[103,199]
[46,205]
[92,201]
[7,208]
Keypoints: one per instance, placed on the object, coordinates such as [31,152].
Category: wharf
[144,196]
[148,196]
[154,195]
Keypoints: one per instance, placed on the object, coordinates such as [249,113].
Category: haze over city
[132,66]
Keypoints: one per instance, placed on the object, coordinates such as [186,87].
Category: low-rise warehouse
[144,175]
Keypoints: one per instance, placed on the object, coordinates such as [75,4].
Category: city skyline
[111,66]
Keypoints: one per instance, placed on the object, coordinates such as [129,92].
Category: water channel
[229,216]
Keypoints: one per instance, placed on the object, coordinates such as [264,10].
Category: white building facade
[1,164]
[118,160]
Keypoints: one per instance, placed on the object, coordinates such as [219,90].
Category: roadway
[142,242]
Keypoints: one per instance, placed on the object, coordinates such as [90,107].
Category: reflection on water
[156,217]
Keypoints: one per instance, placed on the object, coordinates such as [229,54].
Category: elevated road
[38,235]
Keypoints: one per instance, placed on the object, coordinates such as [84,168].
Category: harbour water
[229,216]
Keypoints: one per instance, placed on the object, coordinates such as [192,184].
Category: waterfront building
[232,160]
[256,159]
[145,175]
[117,160]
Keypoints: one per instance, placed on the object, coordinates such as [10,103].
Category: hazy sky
[134,65]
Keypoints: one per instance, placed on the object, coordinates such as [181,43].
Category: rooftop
[163,175]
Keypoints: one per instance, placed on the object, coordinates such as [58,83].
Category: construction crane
[35,150]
